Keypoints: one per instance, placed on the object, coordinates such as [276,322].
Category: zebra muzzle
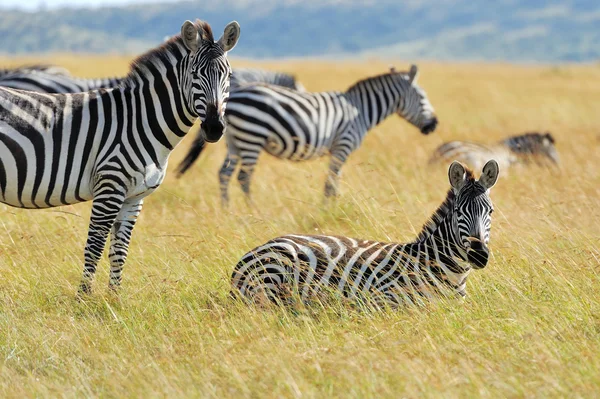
[477,253]
[213,126]
[429,126]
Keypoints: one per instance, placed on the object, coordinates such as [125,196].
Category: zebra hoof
[85,289]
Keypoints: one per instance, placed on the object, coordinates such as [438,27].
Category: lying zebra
[299,126]
[521,149]
[454,241]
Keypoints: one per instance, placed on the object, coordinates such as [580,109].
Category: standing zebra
[112,145]
[438,262]
[300,126]
[244,76]
[48,80]
[536,147]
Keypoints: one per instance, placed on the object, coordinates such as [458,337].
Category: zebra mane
[442,212]
[375,78]
[170,46]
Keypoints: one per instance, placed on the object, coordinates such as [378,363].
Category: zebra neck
[375,98]
[156,84]
[439,233]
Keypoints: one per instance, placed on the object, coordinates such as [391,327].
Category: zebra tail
[194,152]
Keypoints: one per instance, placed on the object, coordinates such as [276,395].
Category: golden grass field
[530,326]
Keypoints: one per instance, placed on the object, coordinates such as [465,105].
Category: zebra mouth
[429,127]
[478,259]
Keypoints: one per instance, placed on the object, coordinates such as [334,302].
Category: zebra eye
[491,211]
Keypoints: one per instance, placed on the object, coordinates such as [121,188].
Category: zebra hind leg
[225,173]
[120,236]
[245,176]
[332,183]
[105,208]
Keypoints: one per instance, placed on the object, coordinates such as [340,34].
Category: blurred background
[502,30]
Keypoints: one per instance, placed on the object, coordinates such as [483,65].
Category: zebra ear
[456,175]
[412,74]
[230,37]
[190,36]
[489,175]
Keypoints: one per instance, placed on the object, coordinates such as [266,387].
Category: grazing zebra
[112,145]
[524,148]
[50,81]
[243,76]
[438,262]
[300,126]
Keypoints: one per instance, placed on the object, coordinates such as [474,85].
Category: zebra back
[243,76]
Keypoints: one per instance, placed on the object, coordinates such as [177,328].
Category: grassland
[529,328]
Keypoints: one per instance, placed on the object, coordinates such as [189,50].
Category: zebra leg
[120,236]
[105,208]
[227,169]
[331,185]
[245,175]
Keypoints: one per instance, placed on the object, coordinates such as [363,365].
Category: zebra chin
[429,126]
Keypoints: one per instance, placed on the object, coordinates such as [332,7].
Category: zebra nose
[477,253]
[213,125]
[430,126]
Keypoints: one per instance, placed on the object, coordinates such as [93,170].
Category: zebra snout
[429,126]
[477,253]
[214,125]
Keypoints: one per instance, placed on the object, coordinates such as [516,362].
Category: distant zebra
[49,81]
[112,145]
[524,148]
[300,126]
[50,69]
[244,76]
[454,241]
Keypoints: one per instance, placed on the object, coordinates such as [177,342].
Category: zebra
[520,149]
[48,80]
[244,76]
[45,68]
[299,126]
[436,264]
[112,146]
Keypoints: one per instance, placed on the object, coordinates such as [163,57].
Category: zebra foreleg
[105,208]
[225,173]
[120,236]
[332,183]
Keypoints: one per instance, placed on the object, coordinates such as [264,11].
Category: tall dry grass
[530,326]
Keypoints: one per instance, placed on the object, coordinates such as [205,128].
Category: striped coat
[112,146]
[437,263]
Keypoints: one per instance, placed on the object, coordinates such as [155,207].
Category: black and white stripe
[245,76]
[112,145]
[451,244]
[49,81]
[521,149]
[299,126]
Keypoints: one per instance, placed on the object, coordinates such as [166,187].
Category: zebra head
[472,213]
[534,144]
[414,105]
[208,73]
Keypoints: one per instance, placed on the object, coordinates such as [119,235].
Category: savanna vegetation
[530,326]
